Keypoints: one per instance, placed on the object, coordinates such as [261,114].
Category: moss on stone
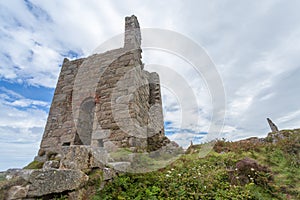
[35,165]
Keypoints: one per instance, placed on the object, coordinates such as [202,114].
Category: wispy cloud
[254,45]
[22,121]
[13,99]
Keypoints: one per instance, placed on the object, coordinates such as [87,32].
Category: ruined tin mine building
[107,100]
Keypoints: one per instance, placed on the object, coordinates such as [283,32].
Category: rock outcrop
[44,182]
[272,125]
[39,183]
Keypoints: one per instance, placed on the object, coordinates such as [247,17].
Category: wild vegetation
[247,169]
[34,165]
[254,168]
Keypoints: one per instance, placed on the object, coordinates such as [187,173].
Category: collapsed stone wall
[107,100]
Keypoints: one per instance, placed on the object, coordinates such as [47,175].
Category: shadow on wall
[85,122]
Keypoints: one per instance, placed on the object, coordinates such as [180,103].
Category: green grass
[34,165]
[142,162]
[194,177]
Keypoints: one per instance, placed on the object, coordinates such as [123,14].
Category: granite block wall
[107,101]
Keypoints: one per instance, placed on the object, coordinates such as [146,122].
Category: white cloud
[21,125]
[290,118]
[254,44]
[13,99]
[16,154]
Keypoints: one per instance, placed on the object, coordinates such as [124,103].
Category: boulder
[80,157]
[44,182]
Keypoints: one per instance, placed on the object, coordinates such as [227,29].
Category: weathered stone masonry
[107,100]
[101,104]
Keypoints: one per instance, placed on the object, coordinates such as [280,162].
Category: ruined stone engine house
[107,101]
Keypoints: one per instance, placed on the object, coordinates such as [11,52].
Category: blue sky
[254,45]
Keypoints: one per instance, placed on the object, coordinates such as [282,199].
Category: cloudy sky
[254,45]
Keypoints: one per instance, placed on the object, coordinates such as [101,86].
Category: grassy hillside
[248,169]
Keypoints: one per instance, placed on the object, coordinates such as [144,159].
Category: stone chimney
[132,38]
[272,125]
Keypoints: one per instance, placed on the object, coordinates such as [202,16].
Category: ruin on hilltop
[105,118]
[104,102]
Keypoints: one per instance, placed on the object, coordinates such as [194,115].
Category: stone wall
[60,127]
[132,39]
[107,101]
